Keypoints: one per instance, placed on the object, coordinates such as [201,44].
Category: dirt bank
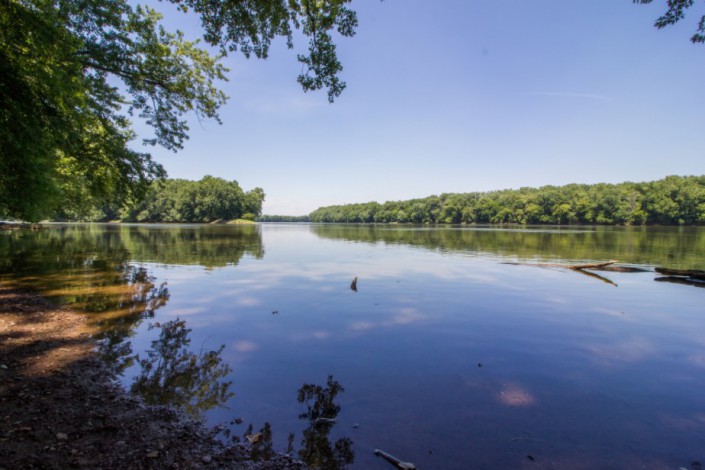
[60,408]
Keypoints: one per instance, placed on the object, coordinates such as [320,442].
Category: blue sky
[462,96]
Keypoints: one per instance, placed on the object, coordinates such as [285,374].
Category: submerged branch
[568,266]
[579,268]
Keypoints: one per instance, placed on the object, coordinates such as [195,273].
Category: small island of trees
[674,200]
[178,200]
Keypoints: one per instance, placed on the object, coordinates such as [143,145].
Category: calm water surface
[446,356]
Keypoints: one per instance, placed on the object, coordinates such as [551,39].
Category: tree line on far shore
[178,200]
[283,218]
[674,200]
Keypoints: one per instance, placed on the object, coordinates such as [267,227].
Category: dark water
[445,356]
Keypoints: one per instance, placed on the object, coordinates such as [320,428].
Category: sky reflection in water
[449,358]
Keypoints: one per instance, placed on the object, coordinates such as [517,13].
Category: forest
[178,200]
[674,200]
[283,218]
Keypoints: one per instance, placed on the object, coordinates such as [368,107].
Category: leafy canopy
[676,12]
[74,72]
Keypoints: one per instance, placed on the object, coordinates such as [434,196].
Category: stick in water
[395,461]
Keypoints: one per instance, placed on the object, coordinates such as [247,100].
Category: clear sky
[462,96]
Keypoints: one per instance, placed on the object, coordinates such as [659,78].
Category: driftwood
[622,269]
[398,463]
[568,266]
[580,268]
[592,265]
[692,273]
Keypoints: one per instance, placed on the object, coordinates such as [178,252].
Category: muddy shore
[60,406]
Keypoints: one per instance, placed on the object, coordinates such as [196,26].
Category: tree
[253,203]
[676,12]
[74,72]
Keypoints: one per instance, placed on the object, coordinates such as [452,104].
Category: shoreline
[60,406]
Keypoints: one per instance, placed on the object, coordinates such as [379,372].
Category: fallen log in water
[581,268]
[622,269]
[568,266]
[692,273]
[591,265]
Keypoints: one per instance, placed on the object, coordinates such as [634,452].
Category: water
[446,356]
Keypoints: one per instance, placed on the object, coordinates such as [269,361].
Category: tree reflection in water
[317,450]
[123,310]
[174,375]
[321,412]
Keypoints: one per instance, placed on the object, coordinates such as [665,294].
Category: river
[456,350]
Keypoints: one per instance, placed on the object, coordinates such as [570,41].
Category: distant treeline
[674,200]
[179,200]
[283,218]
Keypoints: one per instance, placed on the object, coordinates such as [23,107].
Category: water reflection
[60,247]
[171,374]
[317,450]
[659,246]
[680,280]
[133,296]
[565,359]
[96,269]
[92,269]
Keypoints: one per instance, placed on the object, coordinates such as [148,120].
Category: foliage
[676,12]
[178,200]
[283,218]
[74,72]
[673,200]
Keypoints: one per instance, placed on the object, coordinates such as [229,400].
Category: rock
[206,459]
[153,455]
[61,436]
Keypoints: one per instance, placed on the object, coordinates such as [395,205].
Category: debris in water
[325,421]
[395,461]
[353,285]
[252,438]
[688,273]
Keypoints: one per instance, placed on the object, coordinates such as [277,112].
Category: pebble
[153,455]
[206,459]
[61,436]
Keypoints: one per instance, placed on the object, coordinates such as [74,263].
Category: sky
[460,96]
